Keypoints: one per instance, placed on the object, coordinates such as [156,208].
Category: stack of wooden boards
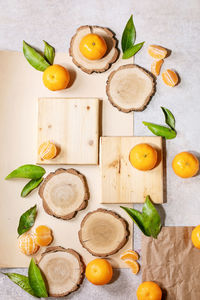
[74,126]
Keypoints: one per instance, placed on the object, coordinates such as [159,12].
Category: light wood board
[21,86]
[71,124]
[121,182]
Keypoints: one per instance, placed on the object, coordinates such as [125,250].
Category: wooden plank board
[121,182]
[73,125]
[18,134]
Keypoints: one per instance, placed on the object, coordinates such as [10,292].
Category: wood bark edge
[80,261]
[118,217]
[85,198]
[108,64]
[146,101]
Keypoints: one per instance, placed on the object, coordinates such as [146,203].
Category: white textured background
[173,24]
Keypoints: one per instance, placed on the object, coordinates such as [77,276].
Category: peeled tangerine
[43,235]
[170,77]
[47,150]
[135,267]
[156,66]
[157,52]
[27,244]
[129,254]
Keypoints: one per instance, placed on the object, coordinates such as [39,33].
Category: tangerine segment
[129,254]
[27,244]
[47,150]
[149,290]
[43,235]
[143,157]
[99,271]
[156,66]
[135,267]
[185,165]
[196,237]
[93,46]
[157,52]
[56,78]
[170,77]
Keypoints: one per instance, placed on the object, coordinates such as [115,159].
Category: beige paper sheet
[173,262]
[21,86]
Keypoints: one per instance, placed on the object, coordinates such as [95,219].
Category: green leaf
[36,280]
[27,220]
[27,171]
[31,185]
[129,35]
[148,221]
[169,117]
[132,50]
[21,281]
[49,53]
[34,58]
[159,130]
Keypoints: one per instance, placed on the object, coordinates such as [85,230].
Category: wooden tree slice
[103,232]
[64,193]
[102,64]
[130,88]
[63,270]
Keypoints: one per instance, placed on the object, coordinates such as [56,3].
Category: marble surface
[173,24]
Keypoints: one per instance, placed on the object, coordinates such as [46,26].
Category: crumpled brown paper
[173,262]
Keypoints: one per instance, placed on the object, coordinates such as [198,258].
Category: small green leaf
[148,221]
[49,53]
[132,50]
[21,281]
[129,35]
[27,171]
[169,118]
[27,220]
[36,280]
[159,130]
[34,58]
[31,185]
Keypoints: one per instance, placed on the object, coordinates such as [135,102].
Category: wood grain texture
[73,125]
[121,182]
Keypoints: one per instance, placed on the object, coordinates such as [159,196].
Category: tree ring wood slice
[64,193]
[130,88]
[103,232]
[63,270]
[90,66]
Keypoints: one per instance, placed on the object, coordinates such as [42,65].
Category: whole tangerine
[149,290]
[99,271]
[196,237]
[143,157]
[93,46]
[56,77]
[185,164]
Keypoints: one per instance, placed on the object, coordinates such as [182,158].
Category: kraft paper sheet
[173,262]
